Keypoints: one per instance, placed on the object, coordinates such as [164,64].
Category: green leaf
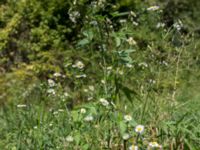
[122,127]
[118,41]
[83,42]
[127,91]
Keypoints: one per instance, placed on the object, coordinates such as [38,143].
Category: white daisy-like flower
[129,65]
[131,41]
[153,8]
[66,94]
[122,20]
[91,88]
[133,147]
[89,118]
[126,136]
[79,65]
[128,118]
[55,112]
[154,145]
[143,64]
[103,81]
[133,14]
[104,102]
[73,16]
[160,25]
[69,139]
[51,91]
[85,90]
[89,98]
[61,110]
[57,74]
[109,68]
[51,83]
[81,76]
[135,23]
[83,111]
[21,105]
[139,129]
[178,25]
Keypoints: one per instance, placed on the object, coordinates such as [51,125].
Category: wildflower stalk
[144,108]
[176,75]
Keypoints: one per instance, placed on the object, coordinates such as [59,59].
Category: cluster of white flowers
[135,23]
[79,65]
[104,102]
[69,139]
[129,65]
[152,81]
[109,68]
[81,76]
[131,41]
[51,91]
[128,118]
[83,111]
[55,112]
[160,25]
[133,147]
[73,16]
[94,23]
[153,8]
[91,87]
[132,13]
[57,74]
[178,25]
[122,21]
[21,105]
[51,83]
[61,110]
[89,98]
[99,3]
[143,65]
[103,81]
[89,118]
[154,145]
[119,71]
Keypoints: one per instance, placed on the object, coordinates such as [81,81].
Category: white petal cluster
[154,145]
[79,65]
[139,129]
[51,91]
[128,118]
[89,118]
[69,139]
[57,74]
[133,147]
[83,111]
[51,83]
[126,136]
[153,8]
[104,102]
[131,41]
[81,76]
[21,105]
[73,16]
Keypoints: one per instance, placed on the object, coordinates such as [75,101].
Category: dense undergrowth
[99,75]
